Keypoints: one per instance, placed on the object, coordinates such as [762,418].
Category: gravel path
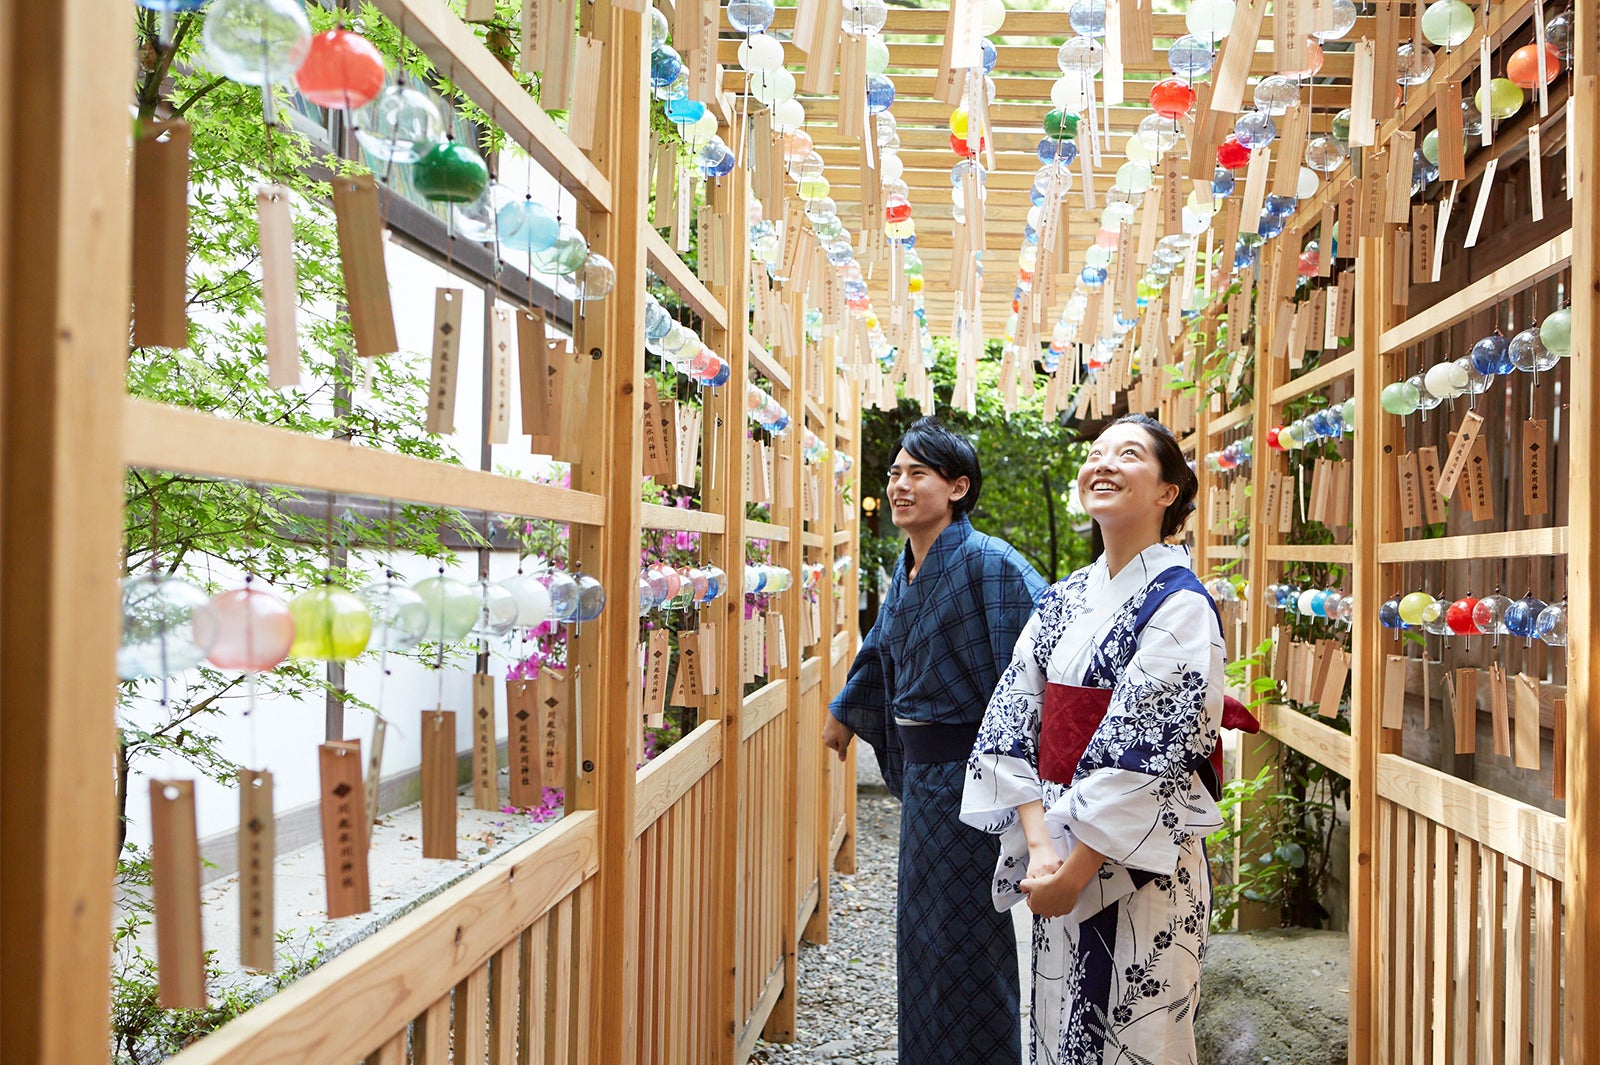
[847,1010]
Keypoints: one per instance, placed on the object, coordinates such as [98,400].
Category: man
[917,692]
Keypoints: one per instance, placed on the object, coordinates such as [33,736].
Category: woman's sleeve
[1003,770]
[1143,799]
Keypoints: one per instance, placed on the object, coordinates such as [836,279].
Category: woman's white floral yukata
[1116,980]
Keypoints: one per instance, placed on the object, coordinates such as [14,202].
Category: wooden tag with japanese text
[658,659]
[344,827]
[446,349]
[1456,464]
[1479,491]
[1535,453]
[554,728]
[657,452]
[533,379]
[499,430]
[175,882]
[1347,304]
[1410,506]
[258,850]
[686,683]
[522,743]
[1428,488]
[485,752]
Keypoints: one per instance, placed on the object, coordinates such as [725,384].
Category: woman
[1093,764]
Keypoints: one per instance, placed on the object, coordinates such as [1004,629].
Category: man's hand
[836,735]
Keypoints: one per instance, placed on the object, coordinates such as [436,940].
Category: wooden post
[724,493]
[606,662]
[1366,705]
[64,275]
[1581,897]
[816,930]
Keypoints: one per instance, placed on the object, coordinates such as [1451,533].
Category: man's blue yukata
[917,692]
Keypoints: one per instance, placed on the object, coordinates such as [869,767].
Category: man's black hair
[950,454]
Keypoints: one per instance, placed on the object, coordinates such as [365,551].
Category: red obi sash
[1071,714]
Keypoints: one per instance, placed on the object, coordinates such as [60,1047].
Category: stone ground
[1269,998]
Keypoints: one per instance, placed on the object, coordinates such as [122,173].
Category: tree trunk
[1050,516]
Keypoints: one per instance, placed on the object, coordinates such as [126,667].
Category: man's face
[919,496]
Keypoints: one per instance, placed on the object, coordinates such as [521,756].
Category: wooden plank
[169,438]
[1523,833]
[1490,913]
[453,45]
[1512,543]
[396,973]
[1312,738]
[680,519]
[430,1036]
[1337,554]
[1546,970]
[1534,266]
[1518,961]
[503,973]
[675,273]
[471,1018]
[1326,372]
[763,705]
[668,778]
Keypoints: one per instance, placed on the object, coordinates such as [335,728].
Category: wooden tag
[1456,464]
[1465,708]
[258,851]
[1362,82]
[522,743]
[161,238]
[559,32]
[1479,492]
[366,277]
[1484,185]
[1333,683]
[1447,114]
[485,756]
[1374,180]
[686,683]
[1535,489]
[657,455]
[533,380]
[439,784]
[374,778]
[1273,487]
[1397,199]
[1558,746]
[1410,507]
[1255,189]
[1428,486]
[586,100]
[279,294]
[554,728]
[658,657]
[344,828]
[1348,221]
[175,878]
[1347,304]
[777,634]
[500,376]
[1286,505]
[569,391]
[1330,318]
[708,659]
[1422,247]
[1499,712]
[1400,269]
[687,451]
[1527,721]
[1394,691]
[442,376]
[1535,174]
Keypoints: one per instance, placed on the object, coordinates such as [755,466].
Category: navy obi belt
[1072,713]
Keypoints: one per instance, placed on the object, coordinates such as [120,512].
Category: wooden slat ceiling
[1023,76]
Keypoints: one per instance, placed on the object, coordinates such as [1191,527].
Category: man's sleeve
[1013,586]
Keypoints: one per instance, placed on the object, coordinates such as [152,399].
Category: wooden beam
[185,441]
[603,662]
[65,187]
[455,49]
[1581,945]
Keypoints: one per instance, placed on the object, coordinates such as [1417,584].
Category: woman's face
[1120,482]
